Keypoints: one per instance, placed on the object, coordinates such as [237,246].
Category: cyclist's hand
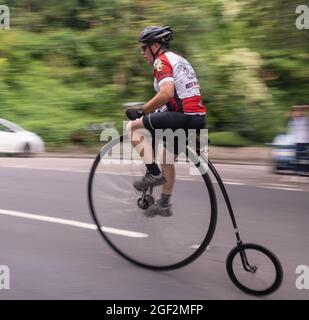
[134,114]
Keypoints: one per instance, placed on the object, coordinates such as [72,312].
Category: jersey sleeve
[163,71]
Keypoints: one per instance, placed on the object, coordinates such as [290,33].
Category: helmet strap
[154,55]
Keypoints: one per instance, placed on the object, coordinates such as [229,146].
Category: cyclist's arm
[165,94]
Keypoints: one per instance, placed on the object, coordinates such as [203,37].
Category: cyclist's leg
[171,152]
[163,206]
[161,121]
[168,156]
[152,122]
[142,142]
[168,169]
[138,139]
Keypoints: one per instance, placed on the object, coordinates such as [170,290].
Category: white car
[14,139]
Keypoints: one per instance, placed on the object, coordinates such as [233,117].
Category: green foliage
[228,139]
[67,64]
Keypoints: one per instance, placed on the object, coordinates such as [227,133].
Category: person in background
[298,129]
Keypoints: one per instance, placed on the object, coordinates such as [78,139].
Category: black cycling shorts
[172,120]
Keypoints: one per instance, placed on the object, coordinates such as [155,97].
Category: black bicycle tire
[279,271]
[184,262]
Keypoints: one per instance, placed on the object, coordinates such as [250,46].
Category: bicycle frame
[242,252]
[197,156]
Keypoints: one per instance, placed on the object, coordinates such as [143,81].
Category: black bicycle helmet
[157,34]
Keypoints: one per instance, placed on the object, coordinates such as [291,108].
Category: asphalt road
[67,259]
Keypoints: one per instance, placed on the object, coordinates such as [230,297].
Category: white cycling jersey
[187,98]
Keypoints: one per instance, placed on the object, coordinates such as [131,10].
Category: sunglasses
[143,48]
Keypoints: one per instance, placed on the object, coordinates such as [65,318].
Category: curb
[235,161]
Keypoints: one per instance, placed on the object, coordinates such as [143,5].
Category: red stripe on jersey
[162,68]
[189,105]
[193,105]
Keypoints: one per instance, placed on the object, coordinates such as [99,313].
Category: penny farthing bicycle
[167,243]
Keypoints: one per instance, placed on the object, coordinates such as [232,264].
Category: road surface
[48,241]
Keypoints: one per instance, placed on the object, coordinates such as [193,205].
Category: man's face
[145,51]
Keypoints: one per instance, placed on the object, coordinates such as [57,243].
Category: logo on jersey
[185,69]
[158,65]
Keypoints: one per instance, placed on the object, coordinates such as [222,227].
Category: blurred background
[65,65]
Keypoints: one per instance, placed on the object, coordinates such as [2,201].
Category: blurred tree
[65,64]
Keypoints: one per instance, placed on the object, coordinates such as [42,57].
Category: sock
[153,169]
[165,199]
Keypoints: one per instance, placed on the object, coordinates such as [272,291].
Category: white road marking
[196,246]
[78,224]
[279,185]
[21,166]
[278,188]
[295,179]
[45,168]
[234,183]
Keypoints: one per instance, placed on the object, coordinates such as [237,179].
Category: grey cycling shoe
[157,209]
[149,180]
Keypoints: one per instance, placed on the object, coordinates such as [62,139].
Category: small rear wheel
[264,275]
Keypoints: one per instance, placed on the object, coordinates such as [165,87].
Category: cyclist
[177,104]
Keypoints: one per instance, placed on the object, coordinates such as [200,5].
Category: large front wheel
[159,243]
